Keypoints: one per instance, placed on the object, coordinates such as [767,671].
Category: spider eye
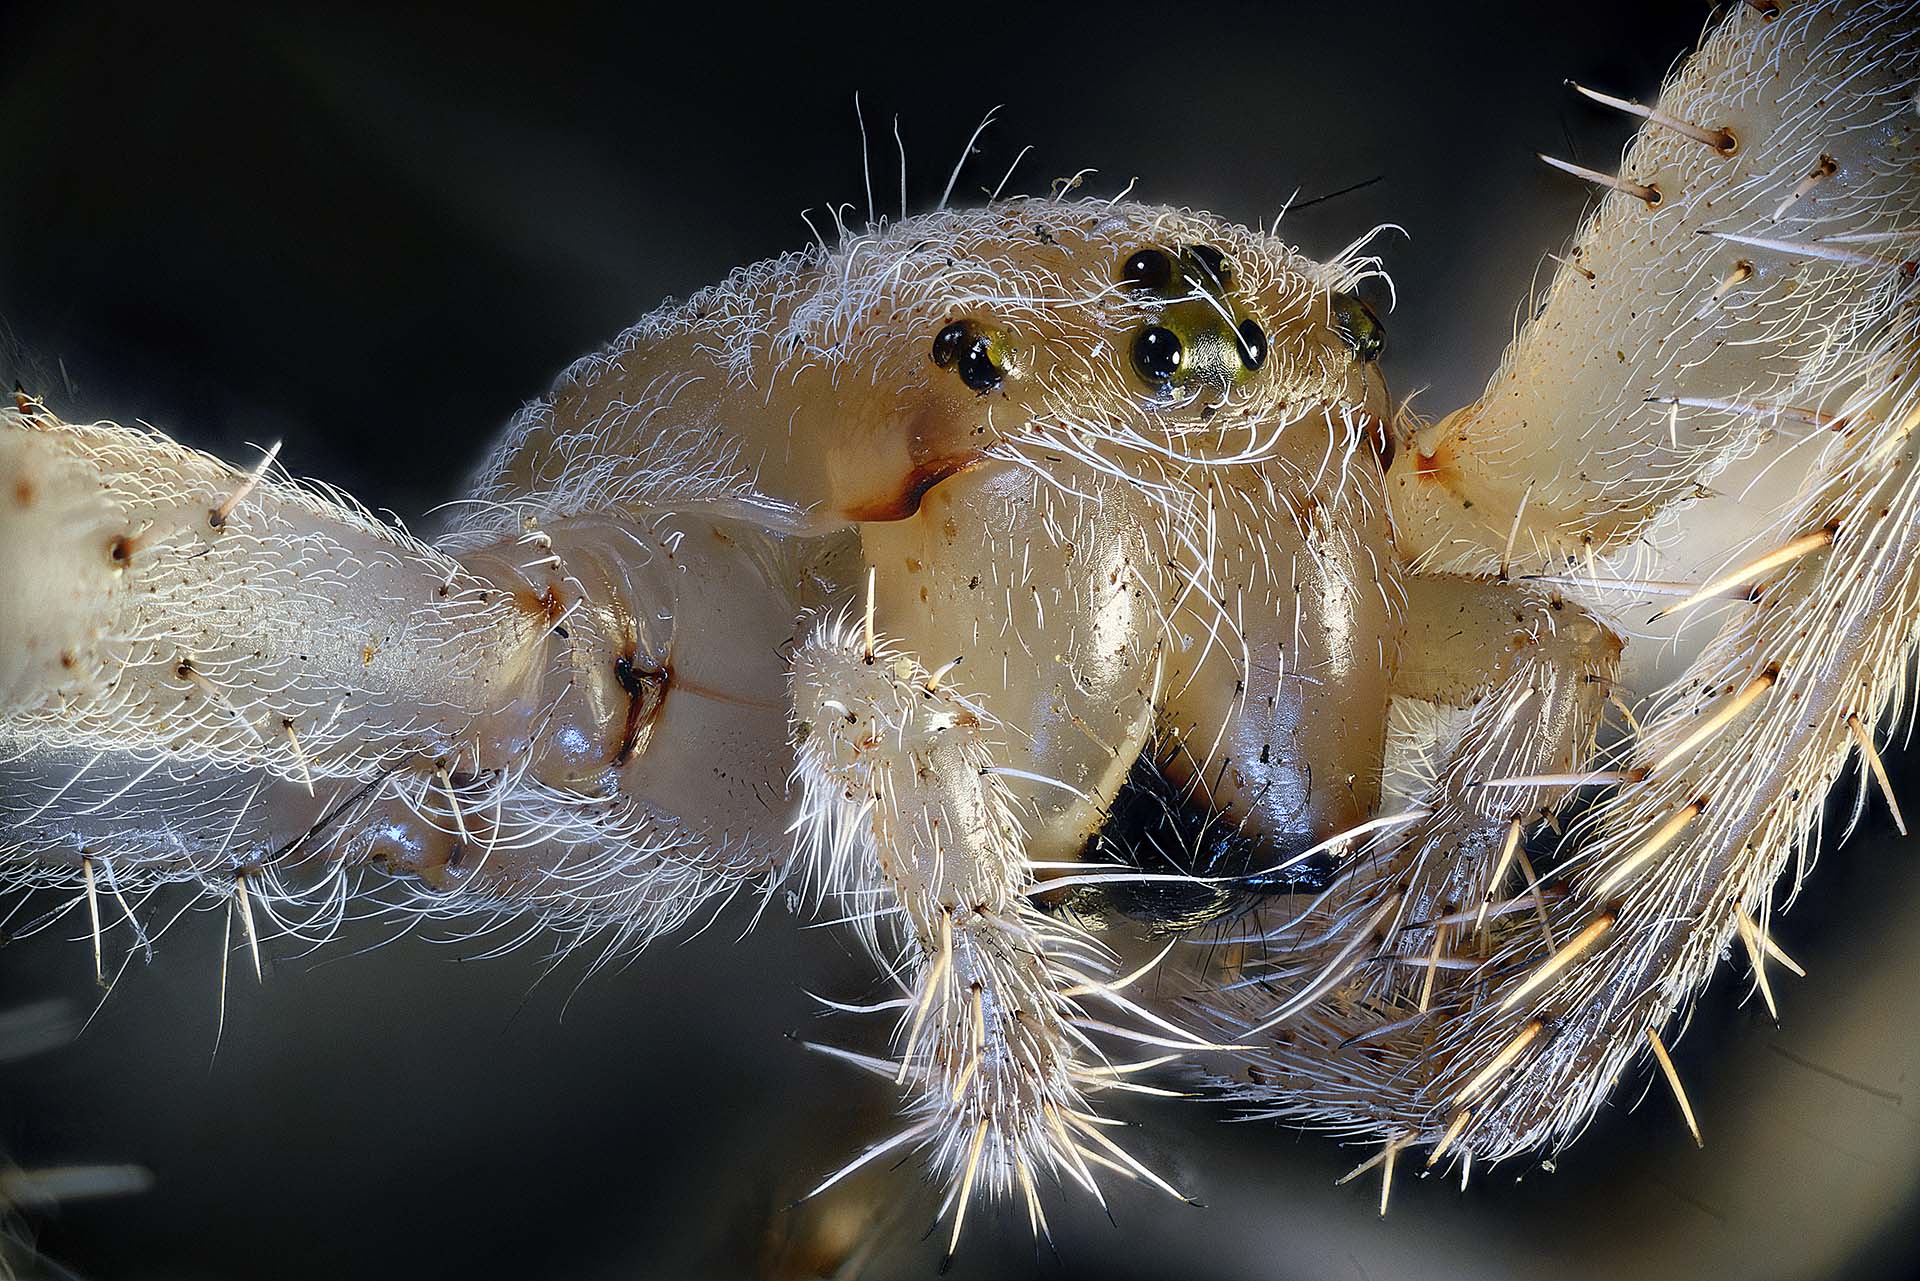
[1148,269]
[977,367]
[1213,265]
[1253,344]
[969,351]
[947,344]
[1359,328]
[1157,354]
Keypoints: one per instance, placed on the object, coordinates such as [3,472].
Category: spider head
[1227,337]
[1033,327]
[1220,397]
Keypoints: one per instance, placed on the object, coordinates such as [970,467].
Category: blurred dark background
[373,234]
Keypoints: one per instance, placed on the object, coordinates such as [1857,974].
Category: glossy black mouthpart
[1155,826]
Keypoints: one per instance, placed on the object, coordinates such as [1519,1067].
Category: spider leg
[1744,295]
[908,827]
[1711,802]
[155,613]
[1730,773]
[214,673]
[1408,933]
[1690,329]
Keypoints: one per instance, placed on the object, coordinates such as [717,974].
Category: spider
[1050,570]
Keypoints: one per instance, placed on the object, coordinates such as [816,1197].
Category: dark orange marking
[1437,467]
[913,489]
[547,603]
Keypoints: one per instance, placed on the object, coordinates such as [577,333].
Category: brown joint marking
[1437,466]
[547,604]
[913,489]
[646,690]
[24,492]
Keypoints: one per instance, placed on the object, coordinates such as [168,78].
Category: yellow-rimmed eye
[1194,344]
[1158,354]
[971,351]
[1359,327]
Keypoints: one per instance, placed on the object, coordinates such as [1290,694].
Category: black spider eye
[1213,264]
[977,369]
[968,350]
[1148,269]
[1253,344]
[1359,328]
[948,342]
[1157,354]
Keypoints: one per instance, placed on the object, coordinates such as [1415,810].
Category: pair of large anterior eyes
[1196,338]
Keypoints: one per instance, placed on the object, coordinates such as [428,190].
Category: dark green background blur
[373,235]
